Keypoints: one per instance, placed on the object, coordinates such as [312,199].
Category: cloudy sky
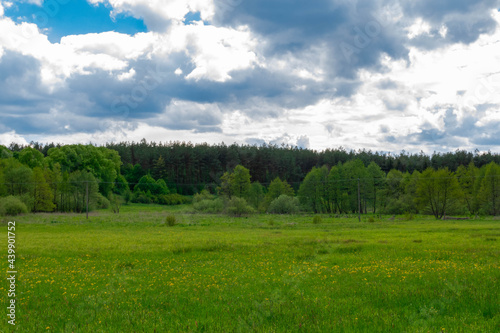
[381,75]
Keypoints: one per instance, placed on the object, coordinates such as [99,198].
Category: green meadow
[131,272]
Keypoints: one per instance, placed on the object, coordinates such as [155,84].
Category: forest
[242,179]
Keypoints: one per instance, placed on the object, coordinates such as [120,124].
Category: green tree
[437,191]
[490,188]
[145,184]
[5,152]
[42,193]
[102,162]
[78,182]
[313,192]
[353,171]
[375,182]
[335,189]
[256,194]
[236,183]
[31,158]
[468,179]
[18,178]
[276,188]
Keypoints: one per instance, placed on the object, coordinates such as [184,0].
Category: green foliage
[171,220]
[374,183]
[313,191]
[142,197]
[5,153]
[284,204]
[103,163]
[127,196]
[256,195]
[12,206]
[19,178]
[277,188]
[209,206]
[238,206]
[133,173]
[438,191]
[317,219]
[173,199]
[115,202]
[236,183]
[31,157]
[490,189]
[470,182]
[121,185]
[147,183]
[102,202]
[42,193]
[203,195]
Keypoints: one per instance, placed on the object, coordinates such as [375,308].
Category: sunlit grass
[132,273]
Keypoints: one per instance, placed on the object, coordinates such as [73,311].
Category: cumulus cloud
[159,14]
[370,74]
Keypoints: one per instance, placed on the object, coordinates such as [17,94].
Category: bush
[171,220]
[284,204]
[239,206]
[141,197]
[12,206]
[173,199]
[102,202]
[209,206]
[203,195]
[317,219]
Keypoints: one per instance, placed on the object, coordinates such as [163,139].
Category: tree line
[187,167]
[61,177]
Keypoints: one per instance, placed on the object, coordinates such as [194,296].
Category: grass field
[132,273]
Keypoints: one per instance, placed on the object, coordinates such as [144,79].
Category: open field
[132,273]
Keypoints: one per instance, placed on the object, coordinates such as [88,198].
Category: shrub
[284,204]
[371,219]
[12,206]
[173,199]
[209,206]
[116,202]
[141,197]
[171,220]
[102,202]
[408,216]
[239,206]
[317,219]
[203,195]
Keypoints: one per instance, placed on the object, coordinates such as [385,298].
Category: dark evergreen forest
[190,167]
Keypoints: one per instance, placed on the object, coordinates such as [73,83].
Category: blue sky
[384,75]
[72,17]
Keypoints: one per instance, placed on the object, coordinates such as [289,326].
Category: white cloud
[72,55]
[158,13]
[113,44]
[12,137]
[419,27]
[214,51]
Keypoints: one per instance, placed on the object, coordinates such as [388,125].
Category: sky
[378,75]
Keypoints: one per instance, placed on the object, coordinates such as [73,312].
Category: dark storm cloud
[20,85]
[341,37]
